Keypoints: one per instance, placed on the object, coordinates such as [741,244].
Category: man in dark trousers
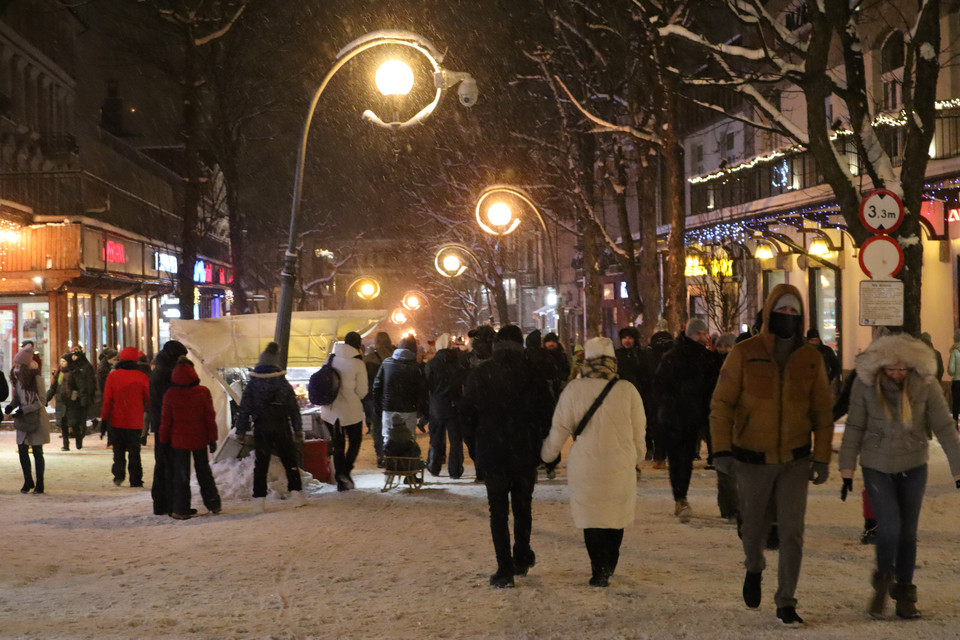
[445,377]
[633,365]
[772,426]
[684,383]
[160,381]
[400,389]
[504,400]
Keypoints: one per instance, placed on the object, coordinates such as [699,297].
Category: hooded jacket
[187,418]
[684,384]
[348,405]
[877,433]
[268,403]
[160,381]
[126,394]
[765,415]
[84,378]
[446,374]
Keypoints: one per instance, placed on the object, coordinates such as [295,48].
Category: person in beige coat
[771,419]
[601,469]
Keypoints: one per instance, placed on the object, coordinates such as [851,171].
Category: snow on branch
[604,125]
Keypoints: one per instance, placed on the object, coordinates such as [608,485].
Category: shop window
[608,291]
[823,304]
[85,325]
[772,279]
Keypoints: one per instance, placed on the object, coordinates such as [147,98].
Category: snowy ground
[89,560]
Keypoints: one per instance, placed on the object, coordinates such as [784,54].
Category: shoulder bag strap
[593,408]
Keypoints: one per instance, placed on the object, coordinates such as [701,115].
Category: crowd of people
[763,403]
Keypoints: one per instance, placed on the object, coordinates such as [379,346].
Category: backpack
[324,385]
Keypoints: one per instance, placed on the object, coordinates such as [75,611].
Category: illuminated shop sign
[165,262]
[114,252]
[204,272]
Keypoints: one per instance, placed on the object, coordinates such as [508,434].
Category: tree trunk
[189,242]
[628,263]
[649,265]
[237,231]
[674,280]
[592,294]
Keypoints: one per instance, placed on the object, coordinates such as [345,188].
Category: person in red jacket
[125,396]
[188,423]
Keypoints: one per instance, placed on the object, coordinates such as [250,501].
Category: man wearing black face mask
[771,422]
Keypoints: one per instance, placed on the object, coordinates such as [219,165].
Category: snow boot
[906,597]
[788,616]
[881,582]
[522,563]
[751,588]
[27,485]
[502,579]
[296,497]
[259,505]
[682,510]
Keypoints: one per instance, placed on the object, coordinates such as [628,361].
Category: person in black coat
[270,410]
[633,365]
[381,350]
[445,377]
[661,343]
[160,381]
[546,364]
[504,400]
[400,389]
[684,384]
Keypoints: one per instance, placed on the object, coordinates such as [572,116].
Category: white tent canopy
[237,341]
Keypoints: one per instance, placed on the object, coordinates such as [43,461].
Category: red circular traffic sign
[881,211]
[881,257]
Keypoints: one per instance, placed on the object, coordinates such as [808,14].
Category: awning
[545,309]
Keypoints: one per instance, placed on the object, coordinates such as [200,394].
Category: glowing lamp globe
[819,248]
[451,263]
[499,214]
[394,78]
[763,253]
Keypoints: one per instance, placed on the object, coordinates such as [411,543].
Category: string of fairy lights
[881,120]
[737,231]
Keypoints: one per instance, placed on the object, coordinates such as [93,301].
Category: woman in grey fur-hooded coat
[895,404]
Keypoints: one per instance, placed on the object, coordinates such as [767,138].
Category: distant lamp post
[413,300]
[366,288]
[450,260]
[398,317]
[395,79]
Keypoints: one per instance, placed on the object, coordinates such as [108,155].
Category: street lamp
[413,300]
[395,80]
[449,260]
[398,317]
[367,288]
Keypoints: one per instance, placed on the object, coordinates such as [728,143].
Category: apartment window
[697,160]
[728,142]
[891,71]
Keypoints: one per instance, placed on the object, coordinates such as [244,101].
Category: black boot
[65,434]
[27,485]
[751,589]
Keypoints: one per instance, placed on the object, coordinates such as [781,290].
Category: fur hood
[895,349]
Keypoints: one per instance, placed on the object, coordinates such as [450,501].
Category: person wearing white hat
[603,458]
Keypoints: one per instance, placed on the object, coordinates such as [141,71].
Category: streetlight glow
[763,252]
[394,78]
[366,290]
[451,263]
[499,214]
[819,248]
[398,317]
[412,300]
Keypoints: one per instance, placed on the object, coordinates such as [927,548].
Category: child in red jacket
[188,423]
[125,396]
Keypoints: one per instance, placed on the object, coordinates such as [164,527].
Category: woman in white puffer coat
[601,468]
[344,417]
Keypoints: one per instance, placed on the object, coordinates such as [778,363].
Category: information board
[881,303]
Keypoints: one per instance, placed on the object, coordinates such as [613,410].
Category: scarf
[600,367]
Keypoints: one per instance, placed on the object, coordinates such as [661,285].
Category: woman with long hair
[29,417]
[895,404]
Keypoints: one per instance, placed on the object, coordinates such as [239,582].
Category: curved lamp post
[391,80]
[367,288]
[497,218]
[412,300]
[450,260]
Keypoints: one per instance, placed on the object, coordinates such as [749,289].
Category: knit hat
[551,337]
[630,331]
[108,353]
[790,301]
[354,340]
[726,340]
[510,332]
[24,356]
[409,343]
[596,347]
[695,326]
[483,333]
[130,354]
[661,339]
[534,340]
[270,356]
[813,333]
[173,349]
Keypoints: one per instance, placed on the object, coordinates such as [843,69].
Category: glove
[848,487]
[958,484]
[8,409]
[422,423]
[103,428]
[723,462]
[212,445]
[143,440]
[819,472]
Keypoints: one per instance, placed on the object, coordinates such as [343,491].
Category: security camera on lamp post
[392,78]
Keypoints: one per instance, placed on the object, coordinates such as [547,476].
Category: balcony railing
[797,171]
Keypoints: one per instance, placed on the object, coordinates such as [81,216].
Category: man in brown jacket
[771,398]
